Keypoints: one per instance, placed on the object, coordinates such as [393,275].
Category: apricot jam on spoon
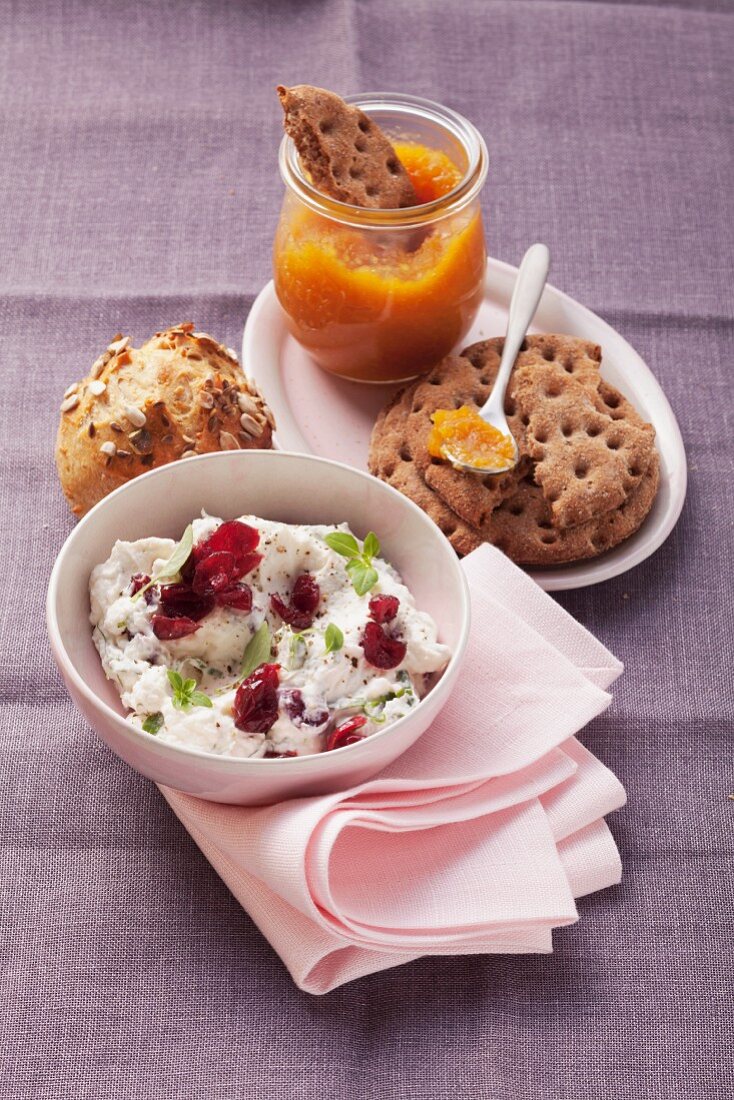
[481,440]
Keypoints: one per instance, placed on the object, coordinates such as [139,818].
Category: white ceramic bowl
[275,485]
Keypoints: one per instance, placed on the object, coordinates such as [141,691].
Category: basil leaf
[189,686]
[333,638]
[199,699]
[179,557]
[173,566]
[257,651]
[175,680]
[371,545]
[153,723]
[298,644]
[364,577]
[343,543]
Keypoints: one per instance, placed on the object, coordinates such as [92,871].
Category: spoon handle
[525,297]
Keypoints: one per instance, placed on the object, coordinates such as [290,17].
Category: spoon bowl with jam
[480,440]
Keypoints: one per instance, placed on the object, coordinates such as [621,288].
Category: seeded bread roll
[179,395]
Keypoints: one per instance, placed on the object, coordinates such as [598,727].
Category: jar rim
[461,195]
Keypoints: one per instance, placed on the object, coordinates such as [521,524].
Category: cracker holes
[370,190]
[516,509]
[484,379]
[356,172]
[525,420]
[448,529]
[548,538]
[360,145]
[364,125]
[612,401]
[326,126]
[541,435]
[614,443]
[544,525]
[580,470]
[524,346]
[510,406]
[405,453]
[599,542]
[566,430]
[552,390]
[433,381]
[392,166]
[549,354]
[593,431]
[417,406]
[634,470]
[568,366]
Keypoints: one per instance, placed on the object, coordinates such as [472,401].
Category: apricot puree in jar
[382,295]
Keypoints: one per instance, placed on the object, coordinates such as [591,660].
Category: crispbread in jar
[179,395]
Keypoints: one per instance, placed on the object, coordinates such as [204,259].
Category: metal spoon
[525,297]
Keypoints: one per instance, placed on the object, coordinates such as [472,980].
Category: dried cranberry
[179,600]
[306,593]
[167,628]
[139,581]
[380,649]
[215,573]
[271,754]
[346,733]
[294,705]
[239,597]
[305,596]
[383,609]
[238,539]
[315,716]
[247,562]
[256,700]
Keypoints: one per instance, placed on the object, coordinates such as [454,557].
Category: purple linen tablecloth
[138,187]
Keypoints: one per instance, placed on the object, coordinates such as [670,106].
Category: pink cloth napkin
[476,840]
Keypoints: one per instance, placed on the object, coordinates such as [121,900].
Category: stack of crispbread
[588,470]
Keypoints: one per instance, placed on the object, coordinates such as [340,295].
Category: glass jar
[382,295]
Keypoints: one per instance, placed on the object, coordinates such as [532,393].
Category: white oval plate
[319,414]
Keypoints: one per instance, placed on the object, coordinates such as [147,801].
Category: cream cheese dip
[257,638]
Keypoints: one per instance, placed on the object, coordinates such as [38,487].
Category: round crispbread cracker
[514,516]
[590,446]
[521,526]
